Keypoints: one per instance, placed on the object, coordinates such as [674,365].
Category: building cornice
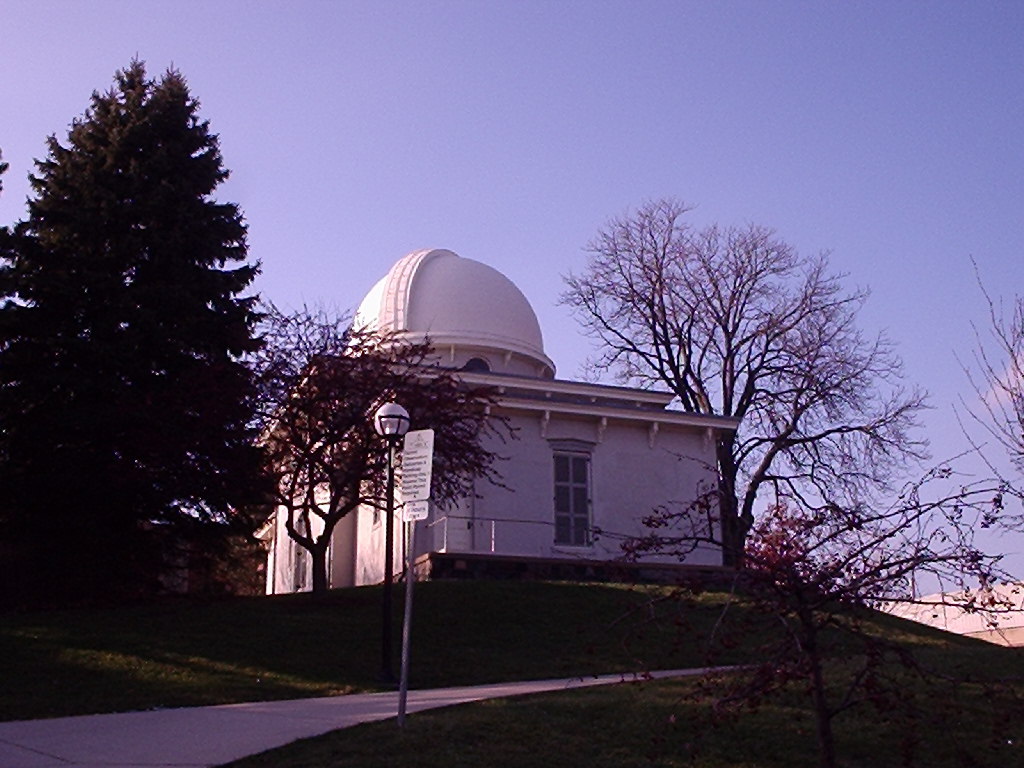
[610,412]
[601,401]
[550,388]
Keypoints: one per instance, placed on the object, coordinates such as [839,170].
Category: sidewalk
[199,737]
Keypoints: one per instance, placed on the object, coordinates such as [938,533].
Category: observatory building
[589,461]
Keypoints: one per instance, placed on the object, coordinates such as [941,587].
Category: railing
[489,524]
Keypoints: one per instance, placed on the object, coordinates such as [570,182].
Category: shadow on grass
[187,653]
[184,652]
[667,724]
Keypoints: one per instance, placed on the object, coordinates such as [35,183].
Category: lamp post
[391,422]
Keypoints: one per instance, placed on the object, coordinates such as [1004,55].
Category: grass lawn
[667,723]
[660,724]
[187,653]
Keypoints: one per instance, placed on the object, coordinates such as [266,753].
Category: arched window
[476,365]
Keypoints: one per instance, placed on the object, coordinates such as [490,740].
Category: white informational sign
[415,510]
[417,465]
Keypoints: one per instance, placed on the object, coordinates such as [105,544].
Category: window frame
[570,512]
[477,364]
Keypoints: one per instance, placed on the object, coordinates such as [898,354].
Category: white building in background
[589,462]
[994,614]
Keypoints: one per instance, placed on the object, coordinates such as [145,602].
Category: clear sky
[889,133]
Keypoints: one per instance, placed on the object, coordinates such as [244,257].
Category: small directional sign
[415,510]
[417,465]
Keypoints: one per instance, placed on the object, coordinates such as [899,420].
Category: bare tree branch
[736,323]
[321,383]
[818,570]
[997,376]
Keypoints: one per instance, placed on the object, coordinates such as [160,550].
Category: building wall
[342,565]
[632,471]
[995,614]
[368,550]
[289,568]
[629,478]
[455,356]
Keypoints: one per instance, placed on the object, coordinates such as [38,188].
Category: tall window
[572,499]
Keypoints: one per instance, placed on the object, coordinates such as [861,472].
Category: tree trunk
[318,556]
[732,542]
[733,535]
[822,714]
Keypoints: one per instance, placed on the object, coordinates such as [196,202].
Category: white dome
[466,309]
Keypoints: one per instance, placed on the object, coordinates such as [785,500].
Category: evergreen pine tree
[125,407]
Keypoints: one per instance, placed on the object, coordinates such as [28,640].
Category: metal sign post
[417,468]
[403,685]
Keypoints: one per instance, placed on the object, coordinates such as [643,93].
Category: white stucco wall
[367,549]
[632,473]
[289,568]
[996,615]
[342,561]
[629,478]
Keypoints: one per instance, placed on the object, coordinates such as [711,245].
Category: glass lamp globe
[391,421]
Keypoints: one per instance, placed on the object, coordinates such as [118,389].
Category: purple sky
[891,134]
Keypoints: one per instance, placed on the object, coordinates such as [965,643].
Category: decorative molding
[602,425]
[544,423]
[571,445]
[513,401]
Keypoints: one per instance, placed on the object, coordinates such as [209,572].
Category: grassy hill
[186,652]
[665,724]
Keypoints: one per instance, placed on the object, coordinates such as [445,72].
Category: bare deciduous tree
[814,572]
[322,381]
[736,323]
[997,376]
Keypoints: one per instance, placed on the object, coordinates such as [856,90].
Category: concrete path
[199,737]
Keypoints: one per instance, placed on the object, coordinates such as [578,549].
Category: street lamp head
[391,421]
